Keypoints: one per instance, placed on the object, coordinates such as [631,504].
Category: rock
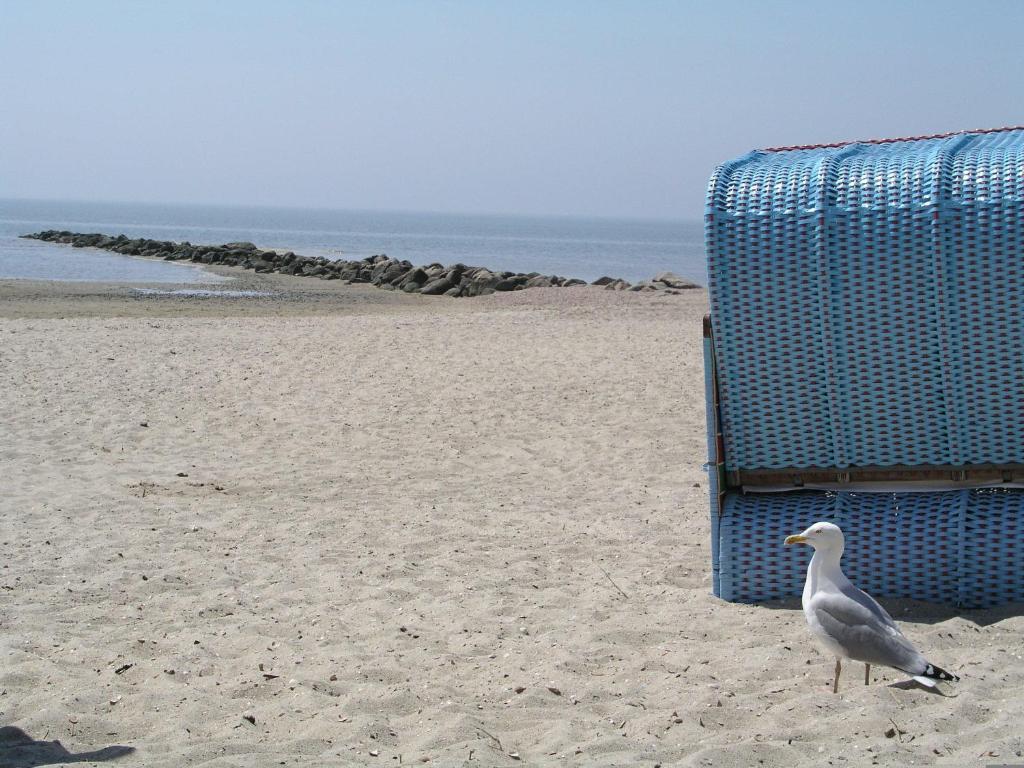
[477,286]
[413,280]
[437,286]
[387,273]
[672,280]
[511,282]
[617,285]
[646,286]
[433,279]
[380,269]
[539,282]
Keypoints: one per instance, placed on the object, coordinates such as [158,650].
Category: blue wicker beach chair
[865,365]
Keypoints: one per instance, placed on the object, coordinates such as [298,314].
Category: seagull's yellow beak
[798,538]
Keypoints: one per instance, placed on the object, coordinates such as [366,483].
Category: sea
[586,248]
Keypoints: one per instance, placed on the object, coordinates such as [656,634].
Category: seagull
[847,622]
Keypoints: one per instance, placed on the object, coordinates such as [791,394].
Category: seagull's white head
[821,536]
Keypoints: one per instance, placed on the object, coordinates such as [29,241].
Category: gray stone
[380,271]
[646,286]
[540,281]
[413,280]
[672,280]
[437,286]
[477,287]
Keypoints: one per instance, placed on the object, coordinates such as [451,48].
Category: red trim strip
[892,141]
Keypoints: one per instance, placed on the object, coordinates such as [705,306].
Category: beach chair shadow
[19,750]
[918,612]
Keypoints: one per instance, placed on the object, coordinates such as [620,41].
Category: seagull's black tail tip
[937,673]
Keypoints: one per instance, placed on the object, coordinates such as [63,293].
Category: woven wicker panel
[868,303]
[754,564]
[985,295]
[776,374]
[993,549]
[889,363]
[903,545]
[987,309]
[954,547]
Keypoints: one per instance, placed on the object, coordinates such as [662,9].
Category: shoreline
[284,295]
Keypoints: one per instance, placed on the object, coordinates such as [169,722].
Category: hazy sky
[552,107]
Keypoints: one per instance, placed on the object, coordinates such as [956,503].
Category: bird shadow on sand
[918,612]
[19,750]
[913,685]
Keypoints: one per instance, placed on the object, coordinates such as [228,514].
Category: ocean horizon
[571,246]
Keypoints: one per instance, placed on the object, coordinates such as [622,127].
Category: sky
[554,107]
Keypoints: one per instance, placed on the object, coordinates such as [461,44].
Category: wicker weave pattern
[992,556]
[868,303]
[753,564]
[964,547]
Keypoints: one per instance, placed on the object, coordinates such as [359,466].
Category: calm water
[34,260]
[572,247]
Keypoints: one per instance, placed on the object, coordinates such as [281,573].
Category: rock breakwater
[456,280]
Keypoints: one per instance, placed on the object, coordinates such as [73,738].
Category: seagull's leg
[839,668]
[867,673]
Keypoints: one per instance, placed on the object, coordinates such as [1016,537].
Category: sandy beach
[345,526]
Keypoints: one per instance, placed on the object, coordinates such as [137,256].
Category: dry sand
[392,529]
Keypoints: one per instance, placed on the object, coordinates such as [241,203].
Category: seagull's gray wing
[862,628]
